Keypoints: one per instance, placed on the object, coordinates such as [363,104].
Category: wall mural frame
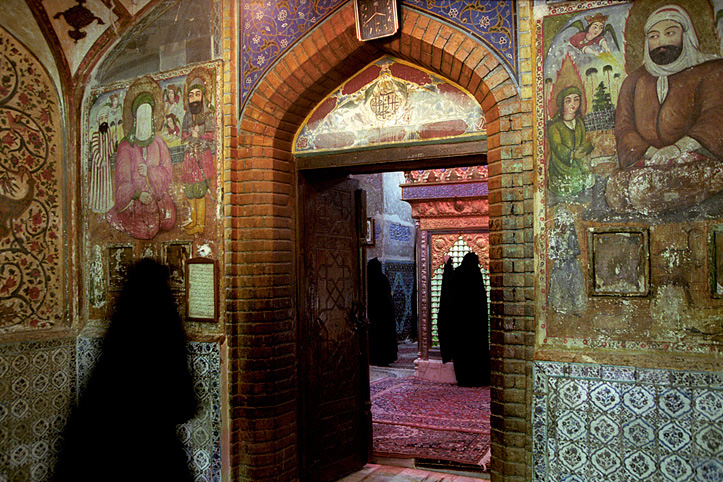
[175,255]
[180,215]
[619,262]
[591,184]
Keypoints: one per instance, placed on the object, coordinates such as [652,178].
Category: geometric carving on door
[334,212]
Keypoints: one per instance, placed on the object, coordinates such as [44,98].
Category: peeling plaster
[671,311]
[204,250]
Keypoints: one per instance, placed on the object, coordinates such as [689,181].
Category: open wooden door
[335,412]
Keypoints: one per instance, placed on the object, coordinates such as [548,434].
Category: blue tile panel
[402,278]
[437,191]
[37,386]
[400,232]
[201,435]
[615,423]
[269,29]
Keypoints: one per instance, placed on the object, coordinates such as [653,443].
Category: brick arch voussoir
[437,46]
[304,75]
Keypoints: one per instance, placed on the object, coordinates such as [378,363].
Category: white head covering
[144,122]
[103,111]
[690,56]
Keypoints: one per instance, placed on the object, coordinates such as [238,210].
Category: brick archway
[261,246]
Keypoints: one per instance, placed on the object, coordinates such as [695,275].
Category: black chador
[124,427]
[467,322]
[382,325]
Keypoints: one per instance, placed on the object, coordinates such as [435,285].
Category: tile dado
[615,423]
[37,385]
[40,380]
[201,435]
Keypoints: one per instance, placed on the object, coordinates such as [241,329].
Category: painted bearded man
[669,122]
[198,170]
[100,195]
[143,206]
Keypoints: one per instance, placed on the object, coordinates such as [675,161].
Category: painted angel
[591,39]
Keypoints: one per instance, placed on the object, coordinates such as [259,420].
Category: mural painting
[151,171]
[630,134]
[390,102]
[32,234]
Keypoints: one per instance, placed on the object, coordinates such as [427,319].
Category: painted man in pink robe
[143,206]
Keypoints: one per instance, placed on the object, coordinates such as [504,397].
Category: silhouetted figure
[382,324]
[445,315]
[470,353]
[124,427]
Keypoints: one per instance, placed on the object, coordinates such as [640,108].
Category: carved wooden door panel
[335,412]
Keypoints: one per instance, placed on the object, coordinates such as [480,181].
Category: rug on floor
[423,419]
[407,352]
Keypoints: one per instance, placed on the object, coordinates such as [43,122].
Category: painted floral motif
[391,102]
[31,229]
[268,29]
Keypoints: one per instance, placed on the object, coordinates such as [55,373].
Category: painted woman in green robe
[568,172]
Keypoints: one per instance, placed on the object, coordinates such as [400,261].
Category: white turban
[103,111]
[690,55]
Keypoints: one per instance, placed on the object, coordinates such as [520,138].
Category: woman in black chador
[470,350]
[382,325]
[124,427]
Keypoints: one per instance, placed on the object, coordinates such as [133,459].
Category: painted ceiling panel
[78,25]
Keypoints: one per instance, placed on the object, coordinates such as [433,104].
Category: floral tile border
[268,30]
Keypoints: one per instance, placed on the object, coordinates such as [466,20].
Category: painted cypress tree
[601,100]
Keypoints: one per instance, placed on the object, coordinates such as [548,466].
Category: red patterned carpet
[428,420]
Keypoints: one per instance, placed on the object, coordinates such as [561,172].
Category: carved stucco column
[446,204]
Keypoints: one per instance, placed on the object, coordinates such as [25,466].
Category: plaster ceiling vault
[76,31]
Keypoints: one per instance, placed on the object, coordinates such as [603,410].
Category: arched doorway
[269,119]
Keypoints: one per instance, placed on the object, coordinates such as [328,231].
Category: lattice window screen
[456,252]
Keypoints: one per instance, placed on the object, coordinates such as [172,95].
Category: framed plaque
[201,290]
[369,241]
